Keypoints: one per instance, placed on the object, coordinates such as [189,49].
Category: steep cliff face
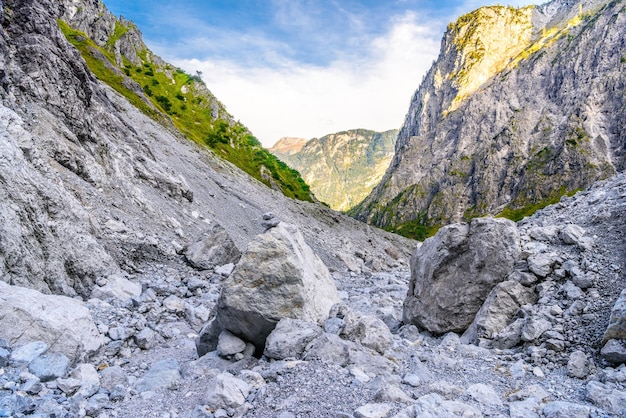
[93,185]
[341,168]
[521,107]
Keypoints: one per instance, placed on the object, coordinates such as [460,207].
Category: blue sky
[302,68]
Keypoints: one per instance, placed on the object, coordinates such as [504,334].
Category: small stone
[226,391]
[32,387]
[229,344]
[89,379]
[560,409]
[541,264]
[614,352]
[373,410]
[334,325]
[162,374]
[225,270]
[412,380]
[392,393]
[4,357]
[174,304]
[534,328]
[538,372]
[49,366]
[146,339]
[578,366]
[484,394]
[68,386]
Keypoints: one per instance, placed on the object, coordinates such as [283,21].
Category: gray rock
[162,374]
[534,328]
[226,391]
[571,291]
[69,386]
[484,394]
[32,386]
[561,409]
[112,377]
[578,365]
[392,393]
[225,270]
[370,331]
[63,323]
[541,264]
[28,352]
[573,235]
[373,410]
[214,247]
[328,348]
[544,233]
[290,338]
[605,397]
[614,352]
[49,366]
[510,336]
[146,339]
[535,392]
[433,405]
[174,304]
[229,344]
[453,272]
[117,288]
[89,380]
[616,330]
[279,276]
[498,310]
[334,325]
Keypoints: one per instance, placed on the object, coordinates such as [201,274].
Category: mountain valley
[156,261]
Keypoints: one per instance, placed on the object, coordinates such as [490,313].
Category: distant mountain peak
[288,146]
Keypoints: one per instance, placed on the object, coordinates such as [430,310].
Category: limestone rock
[290,338]
[534,328]
[65,324]
[49,366]
[484,394]
[328,348]
[561,409]
[605,397]
[226,391]
[117,288]
[214,247]
[614,352]
[89,380]
[453,272]
[228,344]
[373,410]
[578,366]
[616,330]
[161,375]
[279,276]
[498,310]
[433,405]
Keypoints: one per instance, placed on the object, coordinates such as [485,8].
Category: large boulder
[453,272]
[65,324]
[213,248]
[278,276]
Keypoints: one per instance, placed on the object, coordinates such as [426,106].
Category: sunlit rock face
[341,168]
[521,107]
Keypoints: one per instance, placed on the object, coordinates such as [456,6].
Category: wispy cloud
[367,90]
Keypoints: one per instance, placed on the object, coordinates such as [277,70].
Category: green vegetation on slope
[169,94]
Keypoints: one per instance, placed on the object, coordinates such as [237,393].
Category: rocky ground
[349,365]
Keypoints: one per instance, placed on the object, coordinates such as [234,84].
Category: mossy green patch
[172,96]
[518,213]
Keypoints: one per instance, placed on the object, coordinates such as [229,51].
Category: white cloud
[369,89]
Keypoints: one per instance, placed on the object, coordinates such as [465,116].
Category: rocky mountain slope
[92,186]
[341,168]
[115,52]
[521,107]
